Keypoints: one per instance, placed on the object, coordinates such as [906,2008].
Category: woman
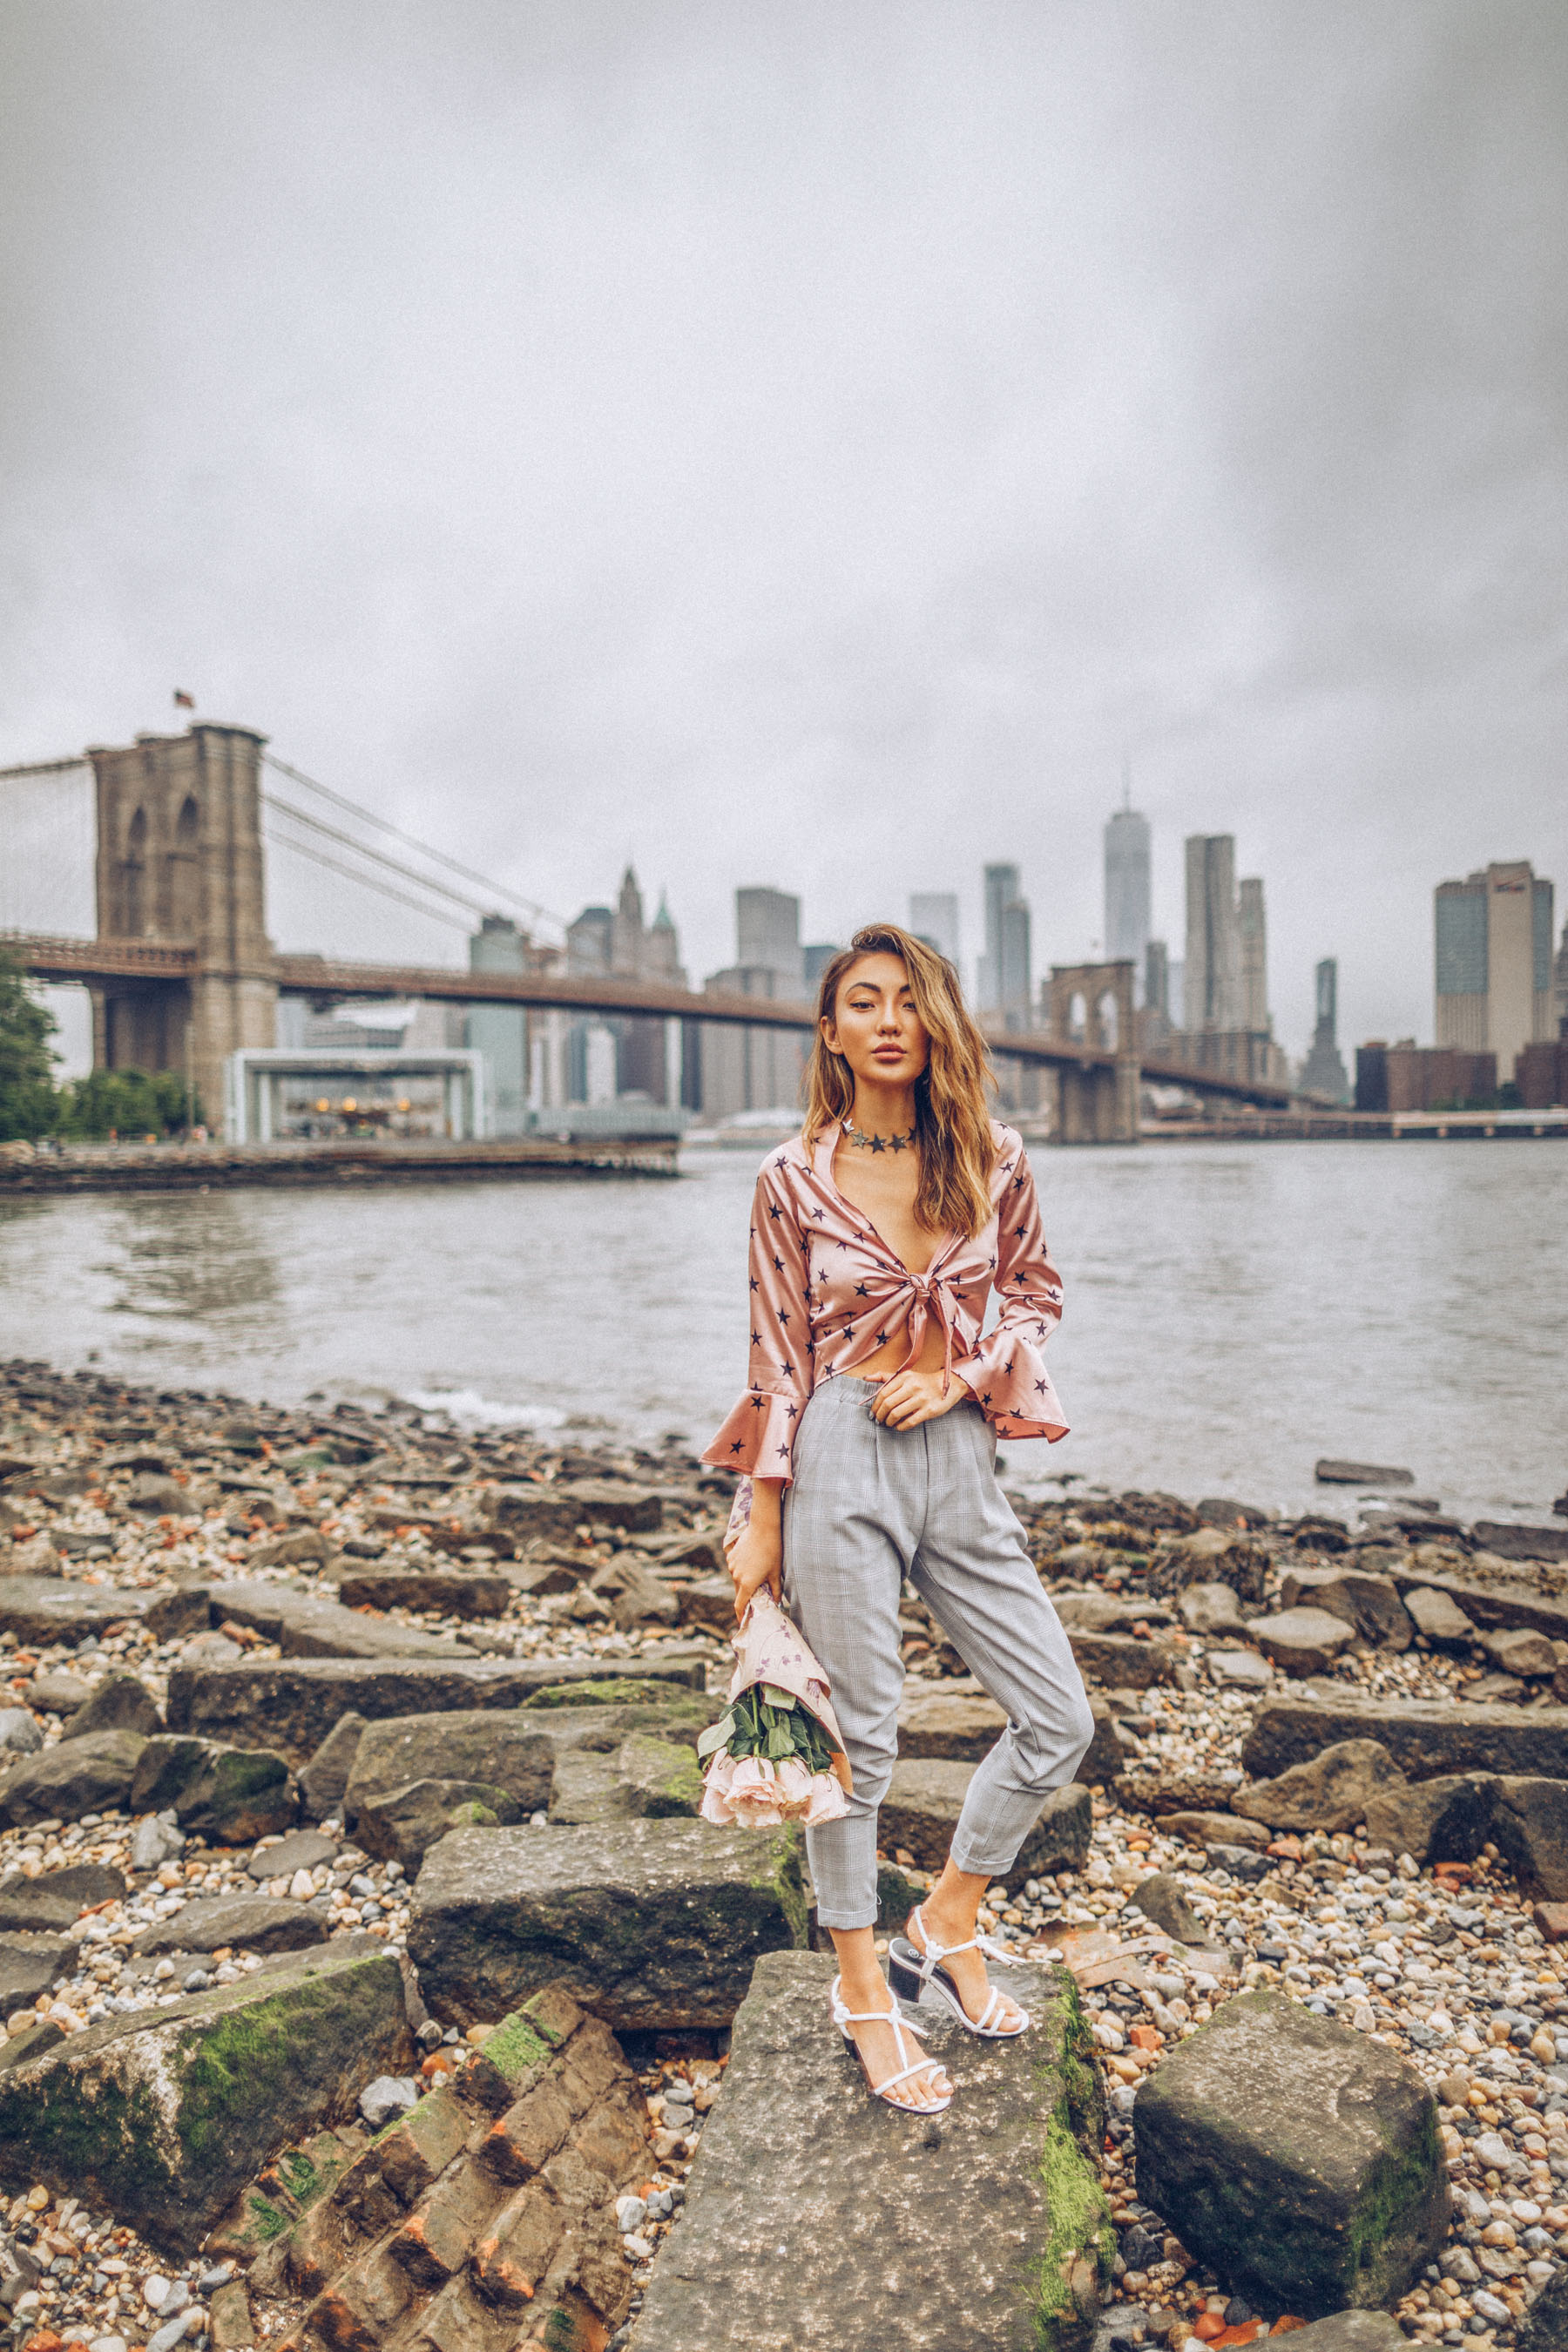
[877,1236]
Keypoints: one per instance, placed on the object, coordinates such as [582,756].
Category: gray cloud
[810,444]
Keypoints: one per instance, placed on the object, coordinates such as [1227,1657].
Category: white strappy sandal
[934,2102]
[918,1975]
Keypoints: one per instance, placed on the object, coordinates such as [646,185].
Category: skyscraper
[1006,969]
[934,916]
[1492,953]
[756,1069]
[1016,992]
[1253,930]
[767,936]
[1212,963]
[1323,1072]
[499,1031]
[1127,889]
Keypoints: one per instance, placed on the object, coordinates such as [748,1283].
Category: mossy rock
[233,1795]
[164,2118]
[666,1780]
[1298,2159]
[650,1925]
[402,1824]
[621,1690]
[986,2227]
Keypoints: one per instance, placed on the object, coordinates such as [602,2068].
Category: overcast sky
[811,445]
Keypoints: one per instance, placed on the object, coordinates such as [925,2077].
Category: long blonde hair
[952,1122]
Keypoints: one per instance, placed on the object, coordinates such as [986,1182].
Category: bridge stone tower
[1092,1004]
[180,860]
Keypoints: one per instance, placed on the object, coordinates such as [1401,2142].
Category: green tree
[124,1102]
[29,1105]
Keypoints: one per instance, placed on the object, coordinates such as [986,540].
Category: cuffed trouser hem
[842,1858]
[976,1865]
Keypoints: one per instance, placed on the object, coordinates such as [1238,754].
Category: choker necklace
[853,1135]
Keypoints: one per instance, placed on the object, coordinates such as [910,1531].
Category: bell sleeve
[758,1438]
[1008,1370]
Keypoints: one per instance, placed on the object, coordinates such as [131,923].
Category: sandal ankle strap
[934,1952]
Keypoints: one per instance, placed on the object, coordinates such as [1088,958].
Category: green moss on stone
[784,1878]
[622,1692]
[1078,2219]
[120,2134]
[242,1772]
[515,2046]
[269,2222]
[1397,2192]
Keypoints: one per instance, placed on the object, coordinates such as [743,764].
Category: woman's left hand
[910,1398]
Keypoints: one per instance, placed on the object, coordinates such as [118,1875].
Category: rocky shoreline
[367,1982]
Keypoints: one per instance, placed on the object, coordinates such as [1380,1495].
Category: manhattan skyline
[813,451]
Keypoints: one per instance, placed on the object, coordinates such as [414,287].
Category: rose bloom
[716,1806]
[826,1801]
[794,1785]
[753,1794]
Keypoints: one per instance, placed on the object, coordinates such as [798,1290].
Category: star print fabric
[827,1293]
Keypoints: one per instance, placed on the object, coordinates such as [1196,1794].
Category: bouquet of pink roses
[776,1755]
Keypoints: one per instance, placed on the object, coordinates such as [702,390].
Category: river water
[1232,1310]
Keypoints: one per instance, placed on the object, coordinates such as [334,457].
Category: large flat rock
[506,1750]
[247,1923]
[645,1923]
[163,2118]
[447,1593]
[1121,1661]
[418,1776]
[924,1799]
[1298,2159]
[232,1795]
[1490,1604]
[1368,1602]
[58,1897]
[559,1507]
[58,1608]
[29,1965]
[1330,1791]
[1511,1542]
[75,1777]
[303,1625]
[817,2217]
[963,1726]
[292,1705]
[1301,1642]
[1425,1737]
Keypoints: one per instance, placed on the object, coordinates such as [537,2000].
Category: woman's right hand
[754,1556]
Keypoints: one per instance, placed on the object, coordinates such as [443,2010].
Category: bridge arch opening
[1077,1017]
[130,879]
[181,877]
[1108,1021]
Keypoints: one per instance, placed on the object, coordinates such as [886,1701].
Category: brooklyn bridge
[181,973]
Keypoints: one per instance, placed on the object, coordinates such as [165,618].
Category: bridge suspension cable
[463,899]
[315,856]
[493,890]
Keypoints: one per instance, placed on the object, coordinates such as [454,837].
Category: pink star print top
[826,1292]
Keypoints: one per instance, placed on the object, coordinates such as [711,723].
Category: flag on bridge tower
[183,701]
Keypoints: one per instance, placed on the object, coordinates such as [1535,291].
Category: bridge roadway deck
[332,979]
